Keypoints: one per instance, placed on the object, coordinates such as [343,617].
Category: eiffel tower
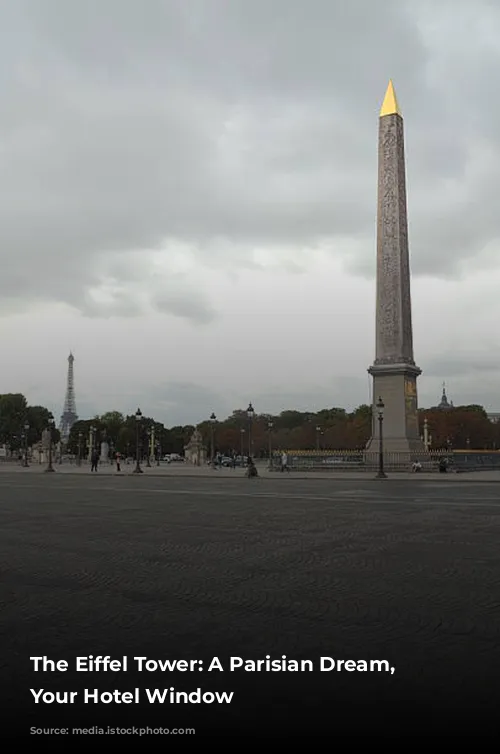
[69,415]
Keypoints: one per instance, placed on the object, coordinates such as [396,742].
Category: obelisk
[394,371]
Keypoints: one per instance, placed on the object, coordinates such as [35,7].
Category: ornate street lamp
[158,452]
[150,434]
[270,426]
[380,410]
[250,415]
[50,428]
[91,441]
[318,435]
[153,442]
[138,417]
[213,420]
[80,435]
[26,430]
[242,432]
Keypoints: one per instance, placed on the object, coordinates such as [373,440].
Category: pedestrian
[94,460]
[251,469]
[284,462]
[117,458]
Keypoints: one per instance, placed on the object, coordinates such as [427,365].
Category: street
[185,568]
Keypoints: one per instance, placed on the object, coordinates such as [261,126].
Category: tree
[290,419]
[460,427]
[359,428]
[112,422]
[81,427]
[13,412]
[179,437]
[38,418]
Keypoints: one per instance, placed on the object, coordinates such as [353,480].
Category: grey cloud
[337,392]
[188,307]
[126,126]
[191,402]
[462,364]
[183,403]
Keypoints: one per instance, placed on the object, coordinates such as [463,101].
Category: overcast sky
[188,200]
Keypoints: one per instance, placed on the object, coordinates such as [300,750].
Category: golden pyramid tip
[390,104]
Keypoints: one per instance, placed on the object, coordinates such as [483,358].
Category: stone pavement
[185,470]
[175,568]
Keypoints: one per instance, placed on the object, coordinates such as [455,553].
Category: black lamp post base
[137,470]
[49,468]
[381,475]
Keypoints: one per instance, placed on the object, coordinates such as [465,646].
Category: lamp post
[270,426]
[158,452]
[150,437]
[213,420]
[91,441]
[138,417]
[26,430]
[380,410]
[426,434]
[250,414]
[242,431]
[153,443]
[318,435]
[426,437]
[79,460]
[50,428]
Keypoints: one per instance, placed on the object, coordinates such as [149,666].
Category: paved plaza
[197,472]
[179,567]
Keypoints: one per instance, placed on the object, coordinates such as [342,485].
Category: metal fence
[361,460]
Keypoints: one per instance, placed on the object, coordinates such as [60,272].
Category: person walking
[94,460]
[284,462]
[251,469]
[118,459]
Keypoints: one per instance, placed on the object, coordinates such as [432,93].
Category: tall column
[394,371]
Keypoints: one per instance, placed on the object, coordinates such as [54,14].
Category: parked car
[173,458]
[240,461]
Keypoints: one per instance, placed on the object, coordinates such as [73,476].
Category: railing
[476,460]
[361,460]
